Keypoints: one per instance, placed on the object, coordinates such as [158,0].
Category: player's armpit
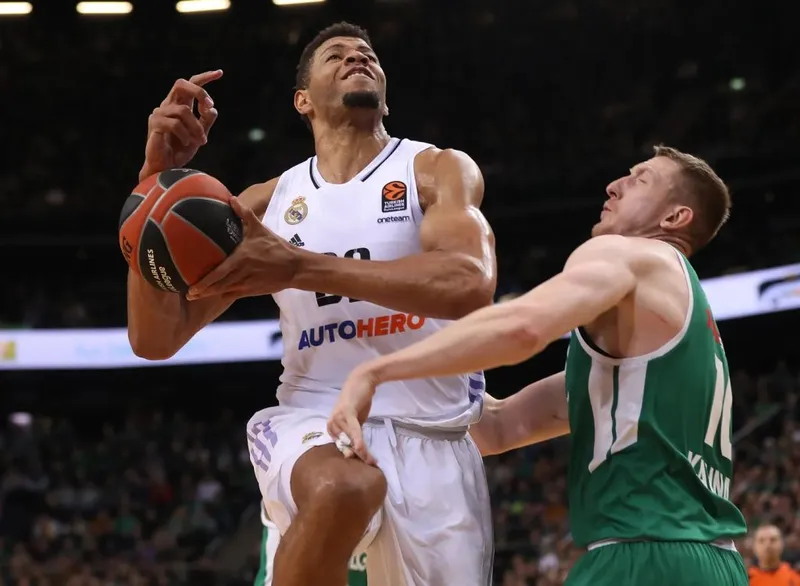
[160,323]
[455,274]
[535,414]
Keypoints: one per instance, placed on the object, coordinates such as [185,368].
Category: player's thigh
[645,563]
[297,465]
[437,528]
[276,438]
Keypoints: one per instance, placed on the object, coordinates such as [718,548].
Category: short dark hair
[707,195]
[340,29]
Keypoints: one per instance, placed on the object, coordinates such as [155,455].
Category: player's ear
[302,102]
[679,218]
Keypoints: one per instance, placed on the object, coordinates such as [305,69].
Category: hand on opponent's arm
[454,275]
[596,277]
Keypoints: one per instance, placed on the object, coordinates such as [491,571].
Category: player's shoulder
[640,254]
[447,173]
[435,160]
[257,196]
[608,245]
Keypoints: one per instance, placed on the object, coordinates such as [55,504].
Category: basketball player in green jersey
[645,392]
[357,576]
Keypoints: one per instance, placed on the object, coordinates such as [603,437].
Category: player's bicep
[257,197]
[596,277]
[451,185]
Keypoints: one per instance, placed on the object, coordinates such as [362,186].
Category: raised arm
[535,414]
[160,323]
[455,274]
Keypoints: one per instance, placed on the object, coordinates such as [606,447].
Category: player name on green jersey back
[651,453]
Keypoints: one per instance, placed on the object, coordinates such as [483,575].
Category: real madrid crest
[297,212]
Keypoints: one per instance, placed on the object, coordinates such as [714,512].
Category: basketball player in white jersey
[368,247]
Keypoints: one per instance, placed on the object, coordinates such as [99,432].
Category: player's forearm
[488,338]
[431,284]
[535,414]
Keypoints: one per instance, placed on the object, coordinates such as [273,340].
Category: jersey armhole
[595,352]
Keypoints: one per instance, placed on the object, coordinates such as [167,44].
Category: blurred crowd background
[131,477]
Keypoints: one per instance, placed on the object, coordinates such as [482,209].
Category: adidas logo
[296,241]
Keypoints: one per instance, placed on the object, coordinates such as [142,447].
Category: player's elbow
[149,347]
[527,335]
[487,433]
[475,292]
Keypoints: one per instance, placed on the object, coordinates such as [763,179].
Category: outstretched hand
[351,411]
[262,264]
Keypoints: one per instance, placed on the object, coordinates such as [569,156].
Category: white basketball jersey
[374,216]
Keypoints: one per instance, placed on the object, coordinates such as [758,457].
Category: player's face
[768,543]
[346,73]
[640,201]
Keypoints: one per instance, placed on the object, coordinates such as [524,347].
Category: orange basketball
[176,227]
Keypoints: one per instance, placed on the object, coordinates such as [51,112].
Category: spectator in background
[771,571]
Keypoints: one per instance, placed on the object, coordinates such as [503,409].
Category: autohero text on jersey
[384,325]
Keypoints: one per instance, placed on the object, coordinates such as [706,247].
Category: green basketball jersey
[358,571]
[651,454]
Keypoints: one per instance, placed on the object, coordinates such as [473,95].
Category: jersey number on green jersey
[617,428]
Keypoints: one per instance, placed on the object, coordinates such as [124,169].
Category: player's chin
[362,98]
[600,228]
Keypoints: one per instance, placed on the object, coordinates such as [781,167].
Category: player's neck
[674,241]
[343,152]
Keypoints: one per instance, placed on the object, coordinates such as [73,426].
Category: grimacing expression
[345,71]
[639,202]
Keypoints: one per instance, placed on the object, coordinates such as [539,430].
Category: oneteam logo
[384,325]
[394,219]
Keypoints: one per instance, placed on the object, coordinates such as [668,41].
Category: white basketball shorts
[435,527]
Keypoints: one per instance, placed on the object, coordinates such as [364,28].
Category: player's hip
[433,403]
[405,451]
[678,563]
[272,422]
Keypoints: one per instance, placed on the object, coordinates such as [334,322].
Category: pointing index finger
[202,79]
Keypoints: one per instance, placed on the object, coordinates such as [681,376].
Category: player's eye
[332,57]
[372,58]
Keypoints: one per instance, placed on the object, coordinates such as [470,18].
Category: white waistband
[723,543]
